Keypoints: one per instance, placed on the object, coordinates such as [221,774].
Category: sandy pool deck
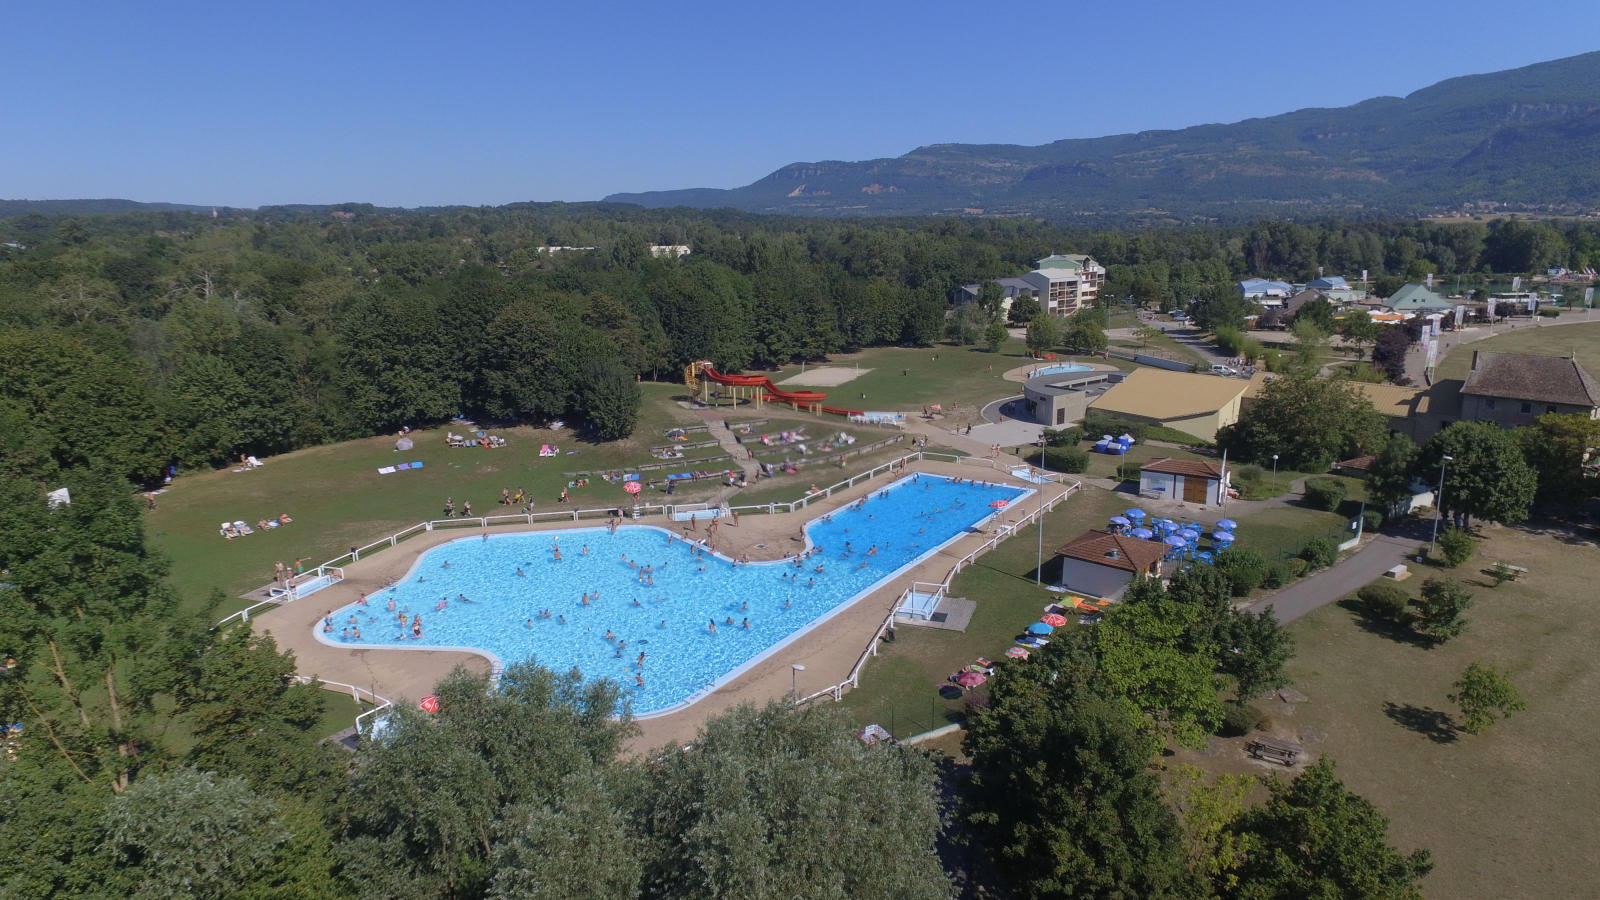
[828,652]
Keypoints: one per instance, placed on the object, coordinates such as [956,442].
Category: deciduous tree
[1482,692]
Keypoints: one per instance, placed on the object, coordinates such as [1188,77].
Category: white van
[1223,370]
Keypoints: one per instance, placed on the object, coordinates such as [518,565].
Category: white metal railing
[379,704]
[290,592]
[939,590]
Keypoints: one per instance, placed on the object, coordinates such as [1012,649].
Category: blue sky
[407,104]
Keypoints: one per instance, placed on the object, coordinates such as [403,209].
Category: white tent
[404,443]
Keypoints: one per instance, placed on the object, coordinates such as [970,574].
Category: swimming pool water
[1060,369]
[668,620]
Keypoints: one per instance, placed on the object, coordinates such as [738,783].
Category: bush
[1238,719]
[1276,576]
[1319,553]
[1063,437]
[1071,460]
[1549,312]
[1243,567]
[1097,423]
[1296,566]
[1371,520]
[1385,601]
[1325,493]
[1457,546]
[1368,374]
[1250,474]
[1443,602]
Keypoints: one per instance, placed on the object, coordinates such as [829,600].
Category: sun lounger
[243,528]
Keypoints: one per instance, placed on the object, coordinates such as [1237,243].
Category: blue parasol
[1222,537]
[1189,535]
[1135,514]
[1175,542]
[1143,534]
[1040,628]
[1120,520]
[1227,524]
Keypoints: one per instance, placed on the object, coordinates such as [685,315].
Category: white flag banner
[1516,283]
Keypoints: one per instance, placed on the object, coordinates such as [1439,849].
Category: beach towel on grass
[386,470]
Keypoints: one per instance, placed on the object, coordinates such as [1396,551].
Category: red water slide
[705,369]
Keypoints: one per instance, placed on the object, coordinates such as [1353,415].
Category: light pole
[794,681]
[1274,473]
[1038,569]
[1438,504]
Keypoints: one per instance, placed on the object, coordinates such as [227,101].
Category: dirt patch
[826,376]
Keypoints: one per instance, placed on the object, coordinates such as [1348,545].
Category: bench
[1286,753]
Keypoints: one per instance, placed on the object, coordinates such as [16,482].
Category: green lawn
[1506,814]
[1582,339]
[337,499]
[902,683]
[905,379]
[1281,530]
[1169,348]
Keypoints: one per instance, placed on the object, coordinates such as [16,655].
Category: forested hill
[9,208]
[1524,137]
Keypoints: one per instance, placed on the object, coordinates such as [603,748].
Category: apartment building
[1067,282]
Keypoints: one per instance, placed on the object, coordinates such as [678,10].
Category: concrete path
[1360,569]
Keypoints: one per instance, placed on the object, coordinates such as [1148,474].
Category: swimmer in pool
[440,606]
[609,635]
[745,606]
[391,604]
[352,619]
[730,620]
[746,625]
[420,578]
[416,629]
[819,568]
[557,552]
[344,635]
[811,582]
[362,601]
[639,680]
[873,552]
[447,564]
[585,599]
[563,619]
[528,624]
[519,571]
[636,601]
[713,626]
[785,604]
[639,663]
[585,549]
[663,624]
[862,566]
[357,632]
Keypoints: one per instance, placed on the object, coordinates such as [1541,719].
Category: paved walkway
[1362,568]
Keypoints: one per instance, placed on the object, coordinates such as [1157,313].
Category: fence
[299,585]
[937,591]
[379,704]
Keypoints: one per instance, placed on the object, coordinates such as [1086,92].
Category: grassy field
[1582,339]
[902,684]
[907,379]
[337,499]
[1506,814]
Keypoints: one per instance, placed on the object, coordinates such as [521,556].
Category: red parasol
[1055,620]
[971,679]
[631,487]
[1018,653]
[430,703]
[999,503]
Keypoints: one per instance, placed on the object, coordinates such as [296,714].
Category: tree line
[172,338]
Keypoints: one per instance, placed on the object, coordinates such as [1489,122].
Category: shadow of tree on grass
[1435,725]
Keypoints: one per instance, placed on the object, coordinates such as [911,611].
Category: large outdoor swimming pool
[666,612]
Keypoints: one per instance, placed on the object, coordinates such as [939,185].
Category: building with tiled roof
[1102,564]
[1512,389]
[1190,480]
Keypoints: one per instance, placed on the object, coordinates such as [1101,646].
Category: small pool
[665,613]
[1059,369]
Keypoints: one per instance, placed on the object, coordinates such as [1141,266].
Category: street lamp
[1274,472]
[1038,569]
[794,681]
[1438,504]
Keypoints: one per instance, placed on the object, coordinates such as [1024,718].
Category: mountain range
[1525,138]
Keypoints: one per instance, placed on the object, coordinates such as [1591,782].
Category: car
[1179,315]
[1223,370]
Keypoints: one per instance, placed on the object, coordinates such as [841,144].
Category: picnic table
[1287,753]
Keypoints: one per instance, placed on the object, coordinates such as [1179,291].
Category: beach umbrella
[430,703]
[1135,513]
[1143,534]
[1175,542]
[631,487]
[1189,534]
[971,679]
[1018,653]
[1222,537]
[1120,520]
[999,503]
[1054,620]
[1040,628]
[1227,524]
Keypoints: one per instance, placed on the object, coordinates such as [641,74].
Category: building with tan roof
[1512,389]
[1102,564]
[1198,404]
